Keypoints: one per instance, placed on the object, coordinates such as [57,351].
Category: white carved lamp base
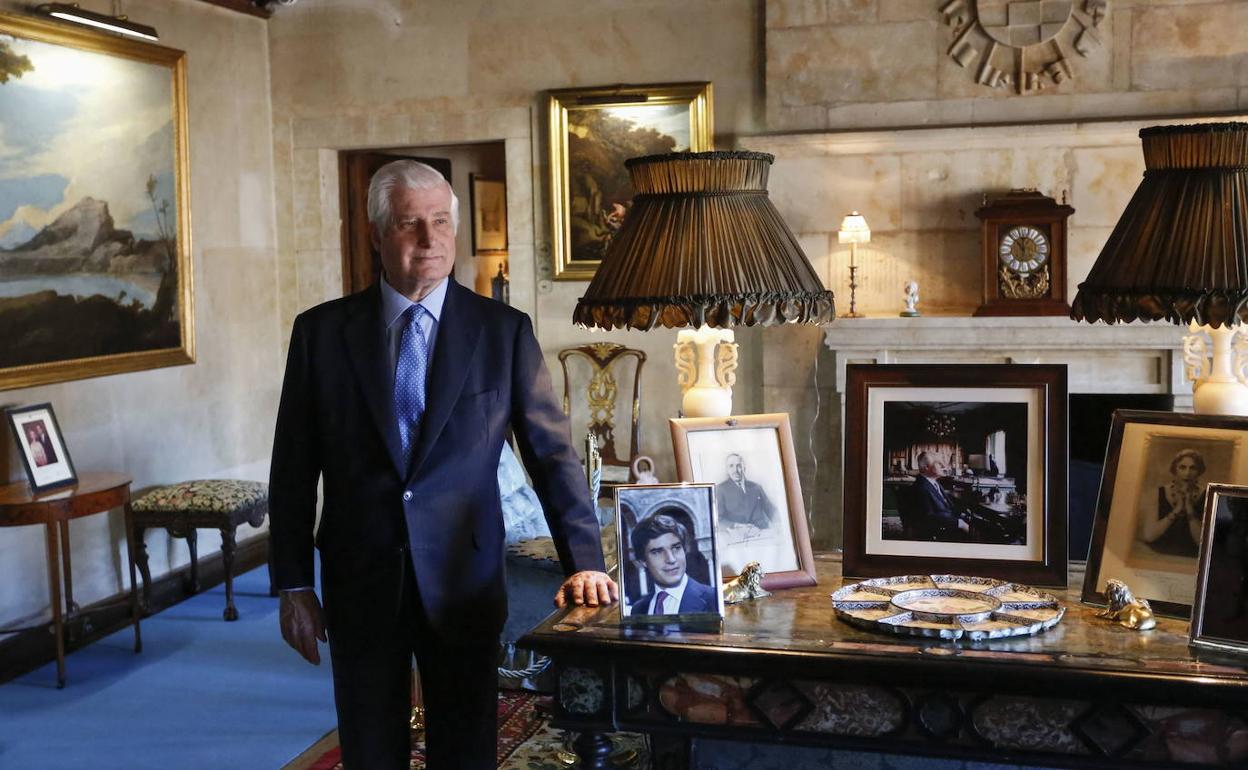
[706,368]
[1217,375]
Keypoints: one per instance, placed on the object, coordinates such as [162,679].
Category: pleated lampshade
[702,244]
[1180,250]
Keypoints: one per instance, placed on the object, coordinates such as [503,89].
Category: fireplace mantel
[1124,358]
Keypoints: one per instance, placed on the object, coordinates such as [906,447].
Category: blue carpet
[203,694]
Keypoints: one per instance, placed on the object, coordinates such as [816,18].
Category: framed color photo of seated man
[1151,507]
[669,562]
[956,469]
[41,447]
[1220,611]
[758,496]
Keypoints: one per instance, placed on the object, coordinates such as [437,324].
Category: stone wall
[213,418]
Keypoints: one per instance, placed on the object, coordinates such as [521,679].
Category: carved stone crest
[1022,44]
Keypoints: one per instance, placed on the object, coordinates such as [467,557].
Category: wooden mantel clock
[1023,237]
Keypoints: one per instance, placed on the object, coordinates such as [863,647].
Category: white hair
[411,174]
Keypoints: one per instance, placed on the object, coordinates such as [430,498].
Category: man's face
[736,468]
[418,248]
[933,470]
[665,560]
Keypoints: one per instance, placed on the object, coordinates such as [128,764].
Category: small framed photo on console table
[758,496]
[1220,611]
[956,469]
[669,558]
[41,447]
[1151,507]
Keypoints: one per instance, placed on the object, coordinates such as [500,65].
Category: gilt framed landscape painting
[95,267]
[592,132]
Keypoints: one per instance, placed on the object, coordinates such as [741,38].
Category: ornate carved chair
[596,394]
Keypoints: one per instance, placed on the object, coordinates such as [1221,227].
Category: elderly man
[740,500]
[933,516]
[398,399]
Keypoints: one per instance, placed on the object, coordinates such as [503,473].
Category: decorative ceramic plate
[947,606]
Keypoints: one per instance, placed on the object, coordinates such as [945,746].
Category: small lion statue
[1124,608]
[747,585]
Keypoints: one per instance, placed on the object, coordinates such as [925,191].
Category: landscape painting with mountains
[89,240]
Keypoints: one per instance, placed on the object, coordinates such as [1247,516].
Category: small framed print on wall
[41,447]
[750,460]
[1151,506]
[489,215]
[956,469]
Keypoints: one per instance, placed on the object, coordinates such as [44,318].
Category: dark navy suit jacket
[336,421]
[698,597]
[934,516]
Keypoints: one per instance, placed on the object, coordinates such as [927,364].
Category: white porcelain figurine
[912,299]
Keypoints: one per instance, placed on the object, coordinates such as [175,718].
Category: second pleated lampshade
[1180,250]
[703,245]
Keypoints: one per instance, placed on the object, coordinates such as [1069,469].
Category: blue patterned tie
[410,372]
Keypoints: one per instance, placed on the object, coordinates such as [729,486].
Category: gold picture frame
[590,188]
[751,462]
[110,157]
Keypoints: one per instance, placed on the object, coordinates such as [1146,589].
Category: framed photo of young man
[41,447]
[758,496]
[668,555]
[1150,512]
[956,469]
[1220,611]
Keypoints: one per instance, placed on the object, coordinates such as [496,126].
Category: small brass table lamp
[853,231]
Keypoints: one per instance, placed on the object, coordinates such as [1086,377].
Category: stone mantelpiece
[1124,358]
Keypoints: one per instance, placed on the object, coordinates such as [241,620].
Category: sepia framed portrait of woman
[1151,507]
[956,469]
[1220,610]
[751,463]
[592,132]
[41,447]
[668,554]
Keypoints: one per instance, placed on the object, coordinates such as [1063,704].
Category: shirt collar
[675,592]
[394,304]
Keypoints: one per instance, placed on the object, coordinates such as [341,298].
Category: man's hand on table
[587,588]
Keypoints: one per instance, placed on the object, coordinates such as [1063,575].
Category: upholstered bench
[206,504]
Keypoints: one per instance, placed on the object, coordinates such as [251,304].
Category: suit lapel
[459,329]
[366,347]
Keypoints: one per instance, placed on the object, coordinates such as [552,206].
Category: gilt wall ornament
[1025,45]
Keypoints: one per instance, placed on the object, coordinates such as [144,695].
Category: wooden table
[1087,693]
[94,493]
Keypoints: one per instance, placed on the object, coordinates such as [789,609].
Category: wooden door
[361,264]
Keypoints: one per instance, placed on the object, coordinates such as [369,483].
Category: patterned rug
[526,741]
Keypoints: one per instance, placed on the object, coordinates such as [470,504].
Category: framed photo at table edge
[758,494]
[1001,514]
[41,447]
[1220,610]
[1150,509]
[666,539]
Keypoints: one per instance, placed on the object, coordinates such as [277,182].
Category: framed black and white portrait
[1151,506]
[669,560]
[751,463]
[956,469]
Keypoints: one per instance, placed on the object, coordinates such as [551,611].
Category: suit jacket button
[407,496]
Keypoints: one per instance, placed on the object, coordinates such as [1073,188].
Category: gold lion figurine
[747,585]
[1128,611]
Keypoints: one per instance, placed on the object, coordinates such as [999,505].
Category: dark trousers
[459,680]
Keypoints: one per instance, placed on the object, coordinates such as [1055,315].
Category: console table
[94,493]
[1087,693]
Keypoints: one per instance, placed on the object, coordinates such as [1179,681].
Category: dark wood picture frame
[1182,427]
[58,469]
[682,429]
[1220,536]
[481,190]
[1048,384]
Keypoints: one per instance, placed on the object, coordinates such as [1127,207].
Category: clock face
[1023,249]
